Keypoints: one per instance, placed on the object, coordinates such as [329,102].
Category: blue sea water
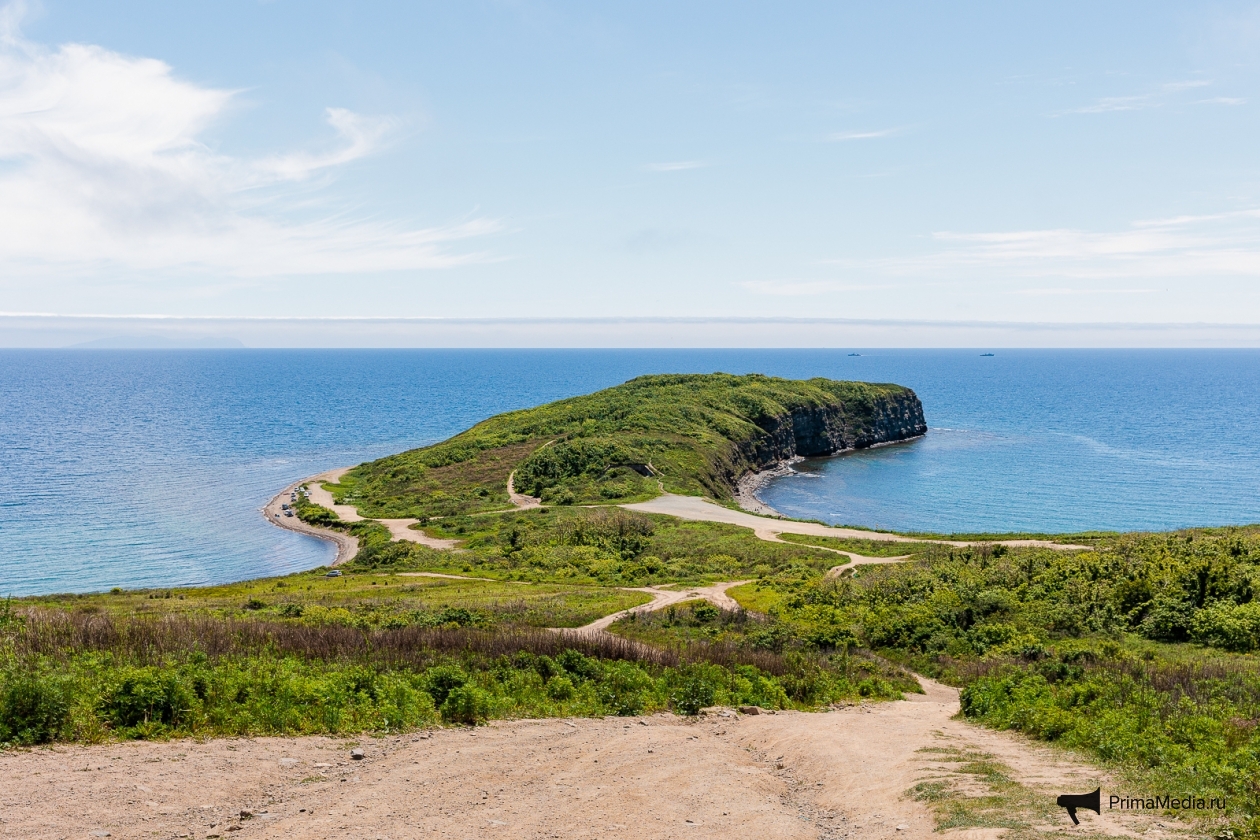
[149,468]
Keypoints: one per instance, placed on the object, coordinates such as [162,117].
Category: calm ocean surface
[148,468]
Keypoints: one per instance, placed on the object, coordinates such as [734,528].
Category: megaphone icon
[1072,801]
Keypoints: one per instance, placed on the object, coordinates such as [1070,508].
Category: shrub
[33,709]
[705,612]
[623,688]
[466,704]
[559,688]
[1233,627]
[148,696]
[578,665]
[441,680]
[692,692]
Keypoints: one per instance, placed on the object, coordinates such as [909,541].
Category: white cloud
[803,288]
[362,136]
[1067,291]
[1188,84]
[841,136]
[1192,246]
[1156,98]
[1118,103]
[102,166]
[674,166]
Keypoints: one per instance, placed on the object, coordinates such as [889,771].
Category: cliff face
[826,430]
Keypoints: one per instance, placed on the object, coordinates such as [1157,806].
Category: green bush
[441,680]
[692,691]
[559,688]
[148,696]
[466,704]
[623,688]
[1228,626]
[33,708]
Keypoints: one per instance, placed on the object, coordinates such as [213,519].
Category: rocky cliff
[815,431]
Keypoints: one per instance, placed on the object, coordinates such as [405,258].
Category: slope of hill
[694,434]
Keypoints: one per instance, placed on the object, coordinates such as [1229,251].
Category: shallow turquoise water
[148,468]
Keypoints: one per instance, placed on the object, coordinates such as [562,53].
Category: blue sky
[1016,163]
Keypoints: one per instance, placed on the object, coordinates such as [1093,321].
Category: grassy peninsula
[693,434]
[1140,651]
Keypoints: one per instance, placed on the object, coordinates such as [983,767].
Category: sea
[149,468]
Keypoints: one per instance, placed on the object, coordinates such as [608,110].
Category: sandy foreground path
[841,774]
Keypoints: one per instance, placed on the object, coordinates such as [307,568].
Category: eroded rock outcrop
[816,431]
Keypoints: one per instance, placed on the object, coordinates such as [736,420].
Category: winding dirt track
[692,508]
[700,509]
[661,598]
[347,546]
[519,500]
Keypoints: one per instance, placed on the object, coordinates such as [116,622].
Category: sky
[898,173]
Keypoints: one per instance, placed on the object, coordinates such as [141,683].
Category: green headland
[1137,650]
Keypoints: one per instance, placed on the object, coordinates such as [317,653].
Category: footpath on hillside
[692,508]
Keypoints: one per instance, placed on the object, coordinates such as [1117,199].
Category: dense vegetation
[1139,652]
[691,433]
[89,675]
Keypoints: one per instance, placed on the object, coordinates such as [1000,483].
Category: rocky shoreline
[751,483]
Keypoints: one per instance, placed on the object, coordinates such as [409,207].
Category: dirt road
[347,546]
[845,773]
[399,529]
[662,598]
[700,509]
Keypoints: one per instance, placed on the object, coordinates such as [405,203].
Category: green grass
[694,434]
[757,598]
[368,600]
[597,546]
[978,792]
[867,548]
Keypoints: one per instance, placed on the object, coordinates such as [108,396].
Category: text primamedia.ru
[1165,803]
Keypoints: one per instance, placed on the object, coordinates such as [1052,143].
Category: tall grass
[91,676]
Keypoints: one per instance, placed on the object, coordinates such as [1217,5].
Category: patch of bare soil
[849,773]
[520,500]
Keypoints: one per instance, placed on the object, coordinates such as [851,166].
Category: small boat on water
[855,354]
[986,354]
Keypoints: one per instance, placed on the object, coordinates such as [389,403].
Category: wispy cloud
[1188,84]
[1067,291]
[1156,98]
[106,170]
[1118,103]
[1198,246]
[842,136]
[803,288]
[674,166]
[1222,100]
